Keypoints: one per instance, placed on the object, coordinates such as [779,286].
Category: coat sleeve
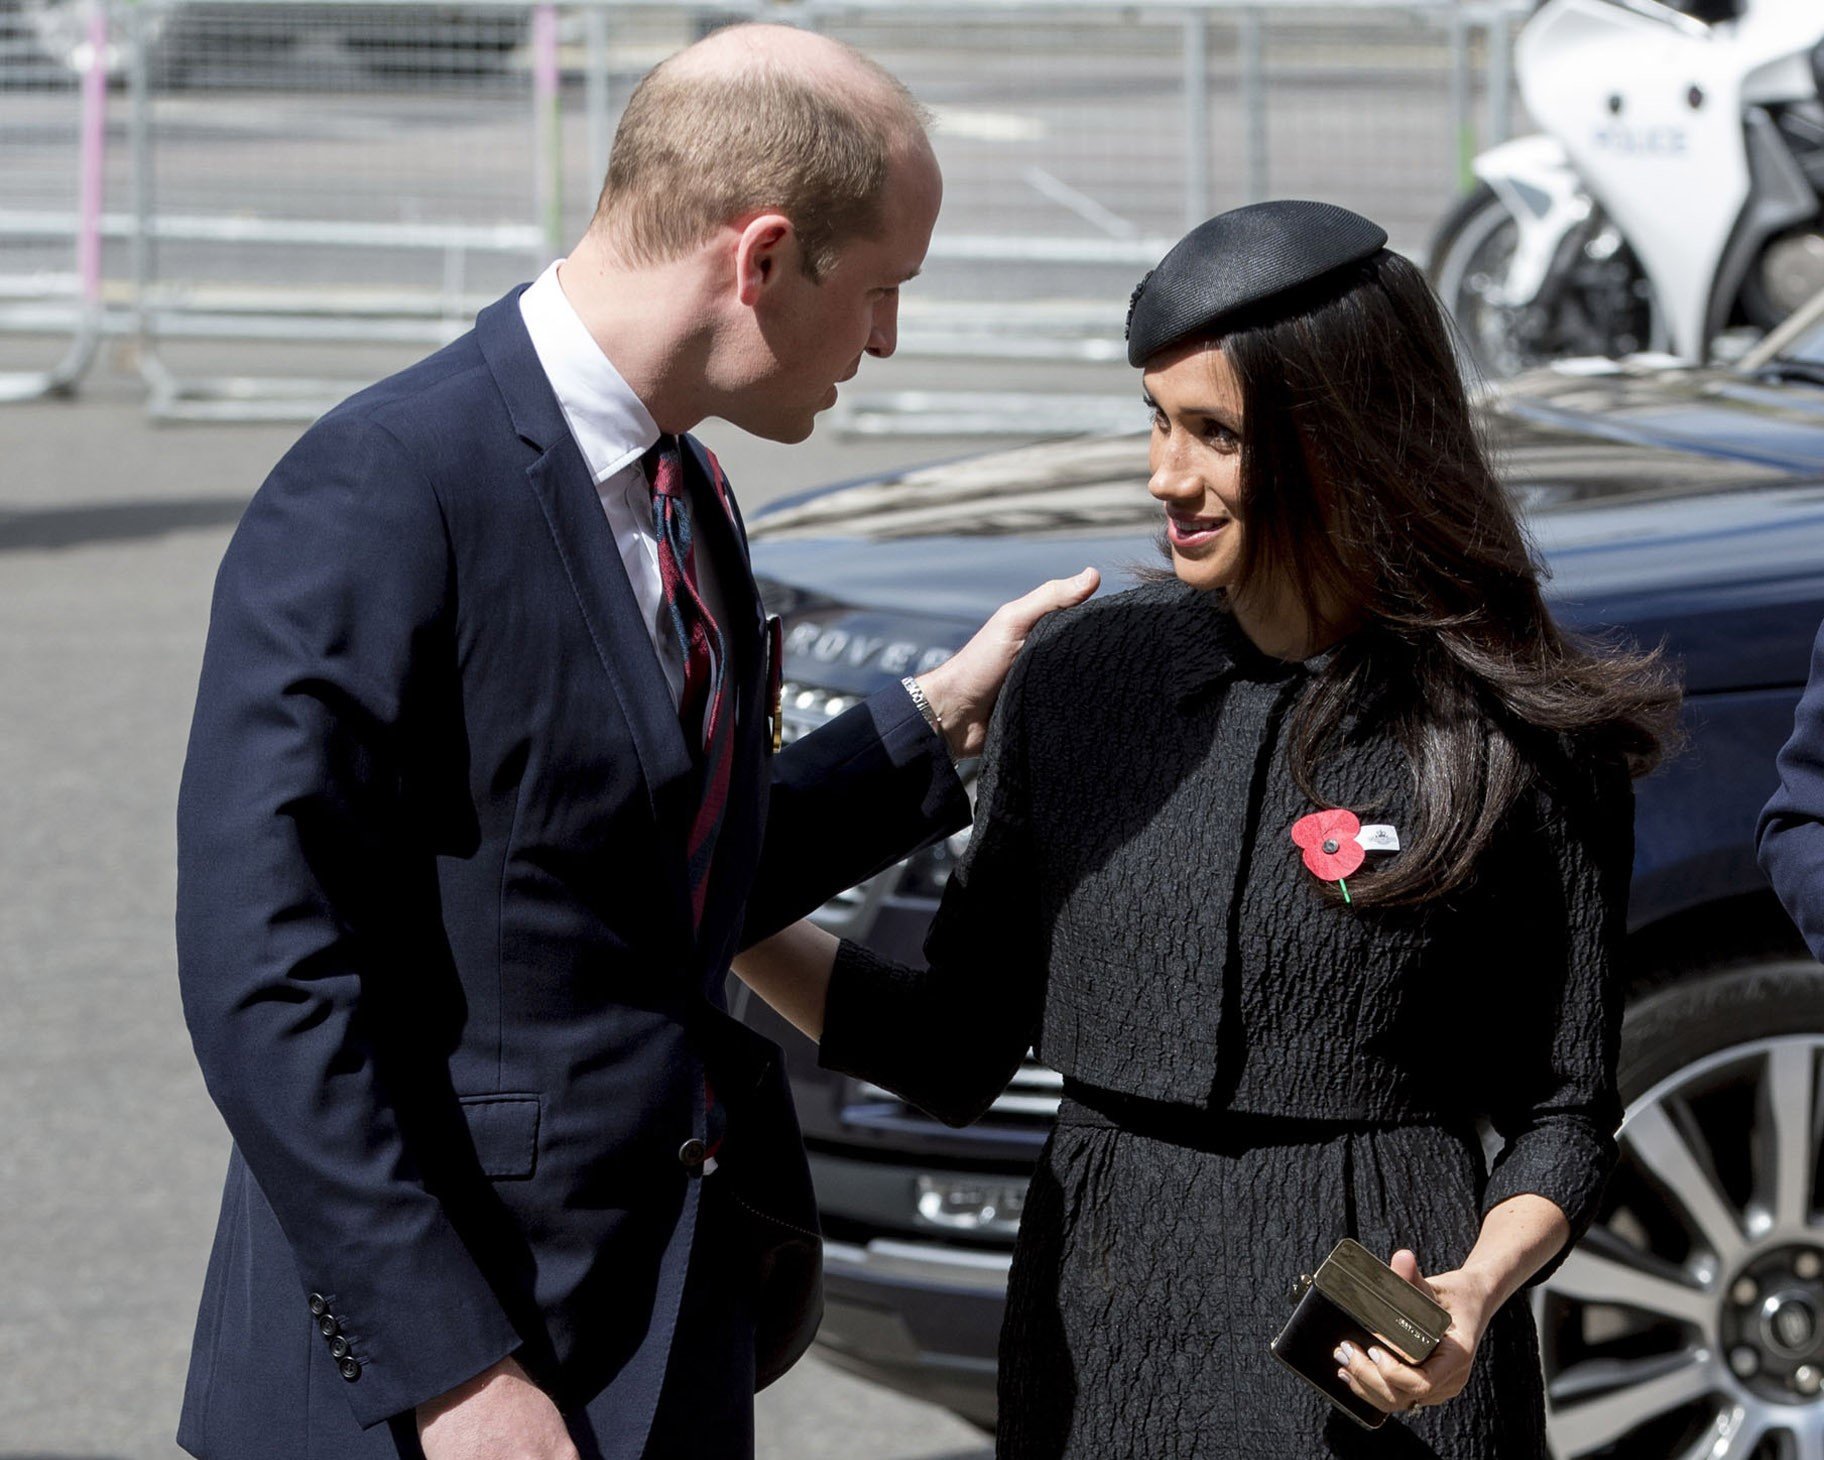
[846,801]
[1790,837]
[949,1037]
[1558,1109]
[307,896]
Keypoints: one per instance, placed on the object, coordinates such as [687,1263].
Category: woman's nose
[1171,482]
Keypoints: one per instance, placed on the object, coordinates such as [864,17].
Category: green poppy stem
[1345,886]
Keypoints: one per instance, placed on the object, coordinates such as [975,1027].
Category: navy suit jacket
[1790,837]
[434,930]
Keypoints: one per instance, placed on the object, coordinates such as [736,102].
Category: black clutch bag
[1355,1297]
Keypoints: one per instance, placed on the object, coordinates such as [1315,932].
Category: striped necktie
[706,705]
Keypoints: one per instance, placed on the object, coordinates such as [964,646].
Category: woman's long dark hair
[1367,490]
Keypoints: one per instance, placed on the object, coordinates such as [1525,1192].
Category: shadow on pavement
[61,527]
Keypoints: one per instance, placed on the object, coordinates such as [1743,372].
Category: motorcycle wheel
[1603,306]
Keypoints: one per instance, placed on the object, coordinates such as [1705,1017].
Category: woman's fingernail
[1343,1355]
[1375,1356]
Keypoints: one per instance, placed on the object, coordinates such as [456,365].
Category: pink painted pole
[93,160]
[546,101]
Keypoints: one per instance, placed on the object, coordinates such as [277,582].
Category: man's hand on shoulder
[964,687]
[500,1414]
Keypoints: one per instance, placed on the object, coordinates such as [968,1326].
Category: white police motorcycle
[1674,191]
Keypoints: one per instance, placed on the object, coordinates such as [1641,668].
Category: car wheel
[1689,1323]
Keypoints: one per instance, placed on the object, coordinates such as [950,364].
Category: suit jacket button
[327,1326]
[338,1347]
[319,1305]
[693,1152]
[351,1370]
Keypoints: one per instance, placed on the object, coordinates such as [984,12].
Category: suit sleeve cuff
[438,1326]
[913,746]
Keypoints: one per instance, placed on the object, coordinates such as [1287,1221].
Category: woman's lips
[1193,532]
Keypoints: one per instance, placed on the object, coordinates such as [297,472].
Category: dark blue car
[1677,505]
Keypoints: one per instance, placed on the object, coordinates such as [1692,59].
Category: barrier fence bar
[1196,117]
[53,121]
[320,175]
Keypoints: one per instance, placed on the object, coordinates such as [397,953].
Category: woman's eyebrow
[1219,414]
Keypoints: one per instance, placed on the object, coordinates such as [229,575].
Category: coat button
[692,1152]
[351,1370]
[319,1305]
[327,1326]
[338,1347]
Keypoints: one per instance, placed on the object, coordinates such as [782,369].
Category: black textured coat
[1257,1056]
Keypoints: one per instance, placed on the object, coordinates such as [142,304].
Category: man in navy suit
[481,798]
[1790,837]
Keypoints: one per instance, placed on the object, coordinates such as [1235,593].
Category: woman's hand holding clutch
[1519,1236]
[1388,1384]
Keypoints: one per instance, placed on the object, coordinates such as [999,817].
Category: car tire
[1692,1313]
[1714,1009]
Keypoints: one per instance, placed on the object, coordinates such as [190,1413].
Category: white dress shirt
[614,429]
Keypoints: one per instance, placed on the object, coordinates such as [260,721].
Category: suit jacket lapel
[560,480]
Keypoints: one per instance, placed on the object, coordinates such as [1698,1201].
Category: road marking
[985,126]
[1080,203]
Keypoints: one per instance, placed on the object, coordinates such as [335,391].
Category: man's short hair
[695,150]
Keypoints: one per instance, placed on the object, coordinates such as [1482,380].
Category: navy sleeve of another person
[1790,838]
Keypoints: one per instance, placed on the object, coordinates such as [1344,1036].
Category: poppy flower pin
[1330,840]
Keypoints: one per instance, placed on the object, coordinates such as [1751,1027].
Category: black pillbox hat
[1239,260]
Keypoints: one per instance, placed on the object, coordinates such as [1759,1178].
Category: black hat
[1238,260]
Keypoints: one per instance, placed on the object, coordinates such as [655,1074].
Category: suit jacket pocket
[504,1130]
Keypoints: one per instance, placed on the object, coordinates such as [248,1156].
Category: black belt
[1218,1131]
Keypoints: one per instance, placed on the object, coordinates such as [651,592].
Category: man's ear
[765,248]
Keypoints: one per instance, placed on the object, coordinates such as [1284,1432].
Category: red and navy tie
[705,706]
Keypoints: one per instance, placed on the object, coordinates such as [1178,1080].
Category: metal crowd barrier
[298,176]
[53,119]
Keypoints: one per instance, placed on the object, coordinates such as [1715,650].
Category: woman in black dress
[1296,865]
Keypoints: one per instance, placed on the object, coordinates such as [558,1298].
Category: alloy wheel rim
[1689,1323]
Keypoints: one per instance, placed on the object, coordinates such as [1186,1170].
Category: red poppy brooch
[1335,844]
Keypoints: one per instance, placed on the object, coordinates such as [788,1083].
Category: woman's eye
[1157,417]
[1220,435]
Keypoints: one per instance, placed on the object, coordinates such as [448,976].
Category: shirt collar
[611,425]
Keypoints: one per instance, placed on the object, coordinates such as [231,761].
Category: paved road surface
[110,531]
